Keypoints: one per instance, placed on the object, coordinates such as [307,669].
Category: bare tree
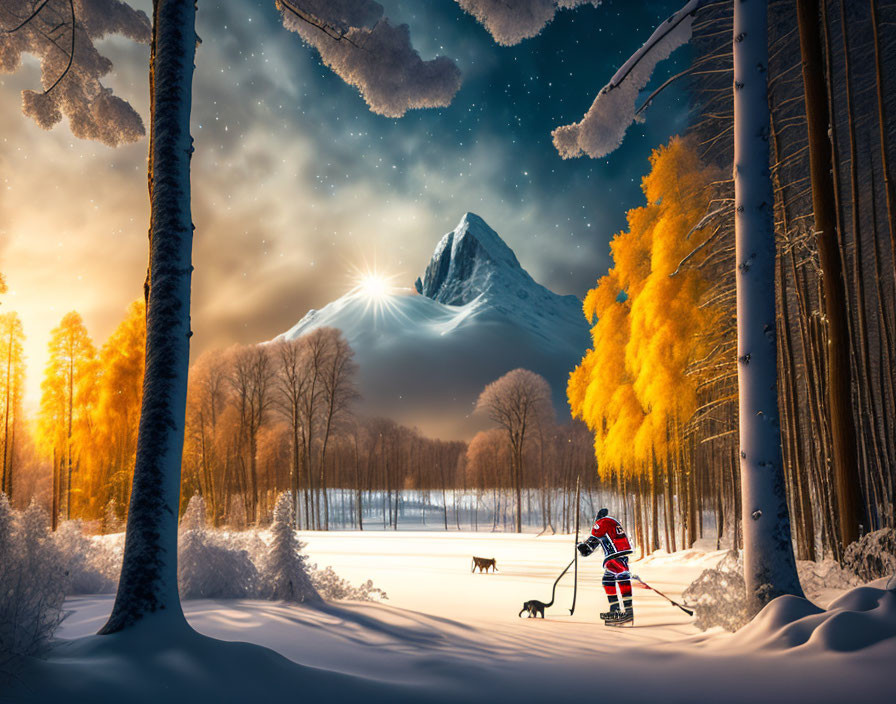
[312,401]
[292,384]
[516,402]
[205,403]
[337,374]
[252,379]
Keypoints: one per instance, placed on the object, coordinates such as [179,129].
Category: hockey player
[608,533]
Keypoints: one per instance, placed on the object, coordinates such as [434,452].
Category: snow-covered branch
[360,45]
[511,21]
[604,125]
[61,34]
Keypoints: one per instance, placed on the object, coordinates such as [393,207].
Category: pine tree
[285,574]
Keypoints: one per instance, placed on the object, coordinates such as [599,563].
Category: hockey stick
[575,584]
[689,612]
[553,593]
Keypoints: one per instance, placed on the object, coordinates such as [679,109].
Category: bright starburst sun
[376,289]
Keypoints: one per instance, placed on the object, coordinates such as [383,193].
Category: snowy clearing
[447,635]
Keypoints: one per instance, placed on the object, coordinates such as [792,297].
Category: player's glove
[584,549]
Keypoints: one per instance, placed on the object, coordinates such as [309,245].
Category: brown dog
[483,563]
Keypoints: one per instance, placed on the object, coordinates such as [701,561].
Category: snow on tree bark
[149,573]
[769,565]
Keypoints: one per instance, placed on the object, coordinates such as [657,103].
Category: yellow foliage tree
[115,415]
[67,393]
[12,381]
[631,388]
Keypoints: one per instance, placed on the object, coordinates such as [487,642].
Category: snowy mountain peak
[424,359]
[465,263]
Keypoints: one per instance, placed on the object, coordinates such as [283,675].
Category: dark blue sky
[491,150]
[389,188]
[296,184]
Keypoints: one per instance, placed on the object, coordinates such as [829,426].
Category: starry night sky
[296,183]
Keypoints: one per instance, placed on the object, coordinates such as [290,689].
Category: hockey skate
[619,618]
[613,613]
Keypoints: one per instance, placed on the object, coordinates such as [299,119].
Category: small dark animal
[483,563]
[535,607]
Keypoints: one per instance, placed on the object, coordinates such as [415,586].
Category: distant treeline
[260,419]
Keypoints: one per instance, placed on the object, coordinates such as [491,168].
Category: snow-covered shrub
[816,577]
[32,584]
[207,566]
[873,556]
[284,574]
[331,586]
[84,560]
[194,517]
[718,595]
[237,516]
[107,556]
[111,523]
[248,540]
[7,522]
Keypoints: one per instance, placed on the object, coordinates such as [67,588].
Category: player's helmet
[603,513]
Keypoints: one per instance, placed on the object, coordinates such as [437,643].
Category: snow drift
[862,618]
[449,636]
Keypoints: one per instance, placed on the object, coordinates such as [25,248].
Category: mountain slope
[425,356]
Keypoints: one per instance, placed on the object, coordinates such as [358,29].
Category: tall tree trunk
[4,484]
[12,457]
[654,509]
[359,507]
[54,520]
[148,584]
[294,475]
[885,340]
[253,474]
[876,411]
[518,482]
[839,399]
[769,565]
[669,521]
[882,124]
[737,540]
[71,407]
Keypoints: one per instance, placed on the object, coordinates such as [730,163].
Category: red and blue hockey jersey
[612,537]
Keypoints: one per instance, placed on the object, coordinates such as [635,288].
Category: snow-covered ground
[448,635]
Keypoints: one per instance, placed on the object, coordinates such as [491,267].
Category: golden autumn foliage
[66,395]
[631,388]
[12,382]
[90,407]
[115,414]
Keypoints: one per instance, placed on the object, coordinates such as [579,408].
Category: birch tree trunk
[148,584]
[769,565]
